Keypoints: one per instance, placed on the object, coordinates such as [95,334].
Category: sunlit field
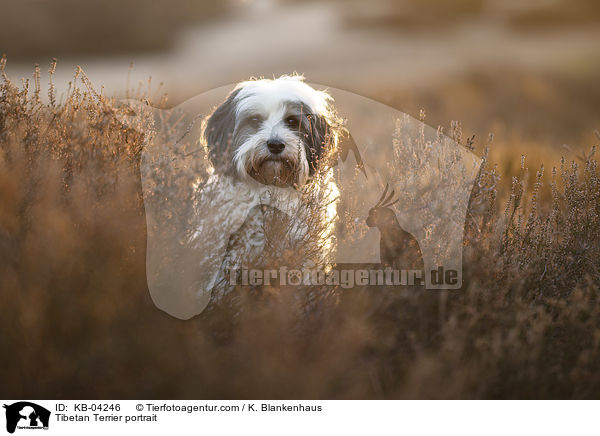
[78,320]
[514,81]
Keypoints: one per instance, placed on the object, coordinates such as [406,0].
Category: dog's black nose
[275,146]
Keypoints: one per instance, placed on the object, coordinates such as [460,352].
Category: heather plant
[78,320]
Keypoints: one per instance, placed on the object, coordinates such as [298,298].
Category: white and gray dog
[266,141]
[271,131]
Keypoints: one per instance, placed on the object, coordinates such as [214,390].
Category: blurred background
[525,70]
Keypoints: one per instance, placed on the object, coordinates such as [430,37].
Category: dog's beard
[287,169]
[273,170]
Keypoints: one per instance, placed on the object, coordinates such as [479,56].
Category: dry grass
[78,320]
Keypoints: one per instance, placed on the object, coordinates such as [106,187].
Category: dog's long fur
[250,174]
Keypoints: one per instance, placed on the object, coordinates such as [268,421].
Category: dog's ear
[323,135]
[218,132]
[319,132]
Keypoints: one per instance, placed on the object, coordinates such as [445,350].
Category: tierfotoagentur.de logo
[278,173]
[24,415]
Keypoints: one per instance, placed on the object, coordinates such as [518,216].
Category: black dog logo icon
[26,415]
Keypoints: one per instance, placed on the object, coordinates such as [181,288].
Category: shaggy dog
[267,142]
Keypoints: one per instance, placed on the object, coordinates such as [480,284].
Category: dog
[271,132]
[268,143]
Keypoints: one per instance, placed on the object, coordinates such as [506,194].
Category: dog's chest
[261,239]
[247,244]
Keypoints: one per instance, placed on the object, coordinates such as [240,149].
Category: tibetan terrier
[273,132]
[268,143]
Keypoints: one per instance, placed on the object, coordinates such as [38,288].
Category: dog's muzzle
[274,170]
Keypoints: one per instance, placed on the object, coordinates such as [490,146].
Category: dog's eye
[255,120]
[292,121]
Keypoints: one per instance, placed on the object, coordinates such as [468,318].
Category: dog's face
[271,131]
